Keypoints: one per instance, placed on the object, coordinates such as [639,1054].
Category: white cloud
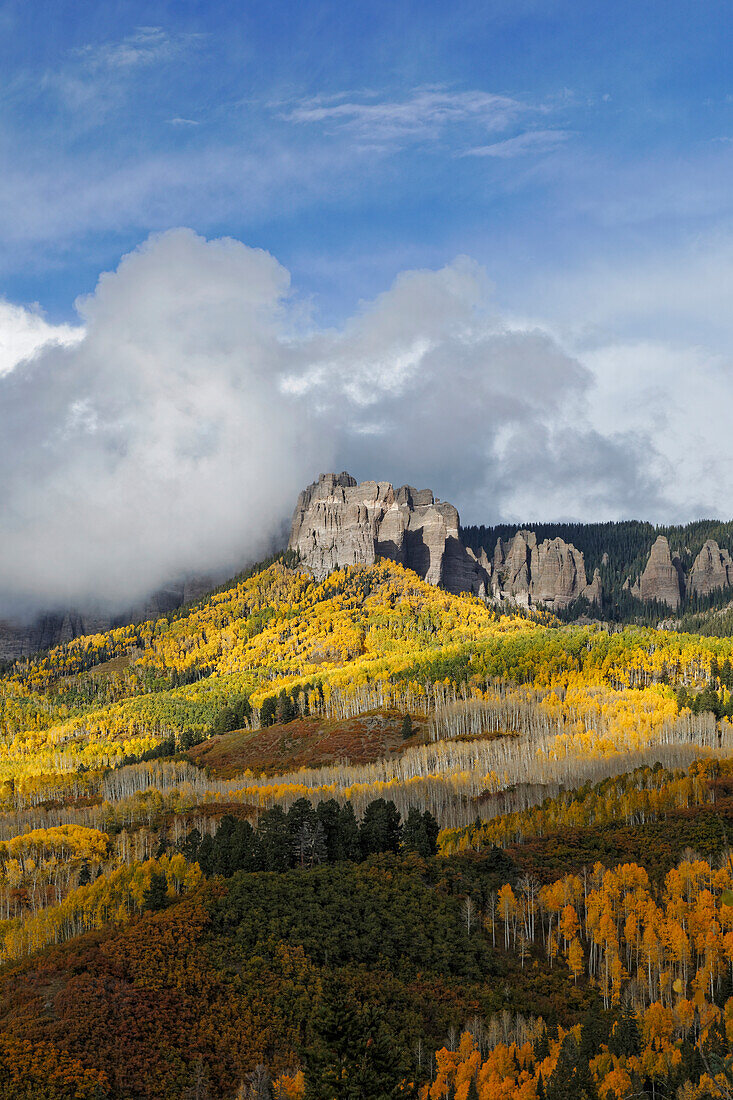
[533,141]
[145,46]
[95,78]
[175,436]
[678,397]
[161,442]
[23,332]
[421,115]
[430,384]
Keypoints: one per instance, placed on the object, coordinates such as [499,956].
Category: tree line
[307,836]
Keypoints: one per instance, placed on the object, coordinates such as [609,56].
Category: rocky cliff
[551,572]
[711,570]
[338,522]
[663,578]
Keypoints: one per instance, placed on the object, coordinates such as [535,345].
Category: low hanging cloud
[173,437]
[161,443]
[429,384]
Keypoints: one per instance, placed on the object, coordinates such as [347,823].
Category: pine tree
[206,855]
[242,854]
[268,710]
[541,1046]
[273,841]
[190,845]
[625,1038]
[380,828]
[564,1084]
[413,833]
[285,709]
[350,1055]
[593,1034]
[348,844]
[156,895]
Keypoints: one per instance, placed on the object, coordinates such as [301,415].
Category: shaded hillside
[411,973]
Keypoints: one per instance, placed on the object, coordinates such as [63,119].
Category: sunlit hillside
[476,782]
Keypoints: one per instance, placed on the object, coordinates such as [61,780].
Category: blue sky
[355,140]
[485,247]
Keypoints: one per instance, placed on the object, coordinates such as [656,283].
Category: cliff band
[339,522]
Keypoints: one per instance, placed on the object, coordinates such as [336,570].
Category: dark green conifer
[541,1046]
[156,895]
[189,846]
[380,828]
[625,1038]
[350,1053]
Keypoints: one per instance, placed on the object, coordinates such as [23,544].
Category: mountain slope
[218,836]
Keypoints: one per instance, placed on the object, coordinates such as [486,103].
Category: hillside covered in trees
[360,837]
[619,551]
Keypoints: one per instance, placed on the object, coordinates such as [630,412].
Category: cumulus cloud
[656,333]
[430,384]
[23,332]
[678,396]
[174,437]
[159,444]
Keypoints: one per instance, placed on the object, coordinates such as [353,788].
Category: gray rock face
[594,591]
[338,522]
[712,569]
[550,572]
[663,578]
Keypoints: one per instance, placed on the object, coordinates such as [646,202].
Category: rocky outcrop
[711,569]
[551,573]
[594,592]
[338,522]
[663,578]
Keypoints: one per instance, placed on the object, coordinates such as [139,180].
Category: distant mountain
[52,628]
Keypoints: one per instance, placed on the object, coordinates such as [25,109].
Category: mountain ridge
[338,522]
[619,571]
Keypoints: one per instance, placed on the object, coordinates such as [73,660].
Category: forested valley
[363,838]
